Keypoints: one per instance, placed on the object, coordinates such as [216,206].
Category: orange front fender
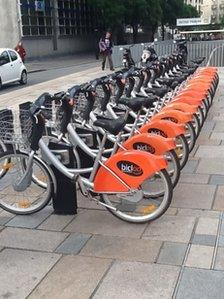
[126,171]
[154,144]
[174,116]
[163,128]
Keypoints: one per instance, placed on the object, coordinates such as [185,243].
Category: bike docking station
[65,198]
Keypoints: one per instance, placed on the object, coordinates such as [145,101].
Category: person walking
[21,51]
[105,46]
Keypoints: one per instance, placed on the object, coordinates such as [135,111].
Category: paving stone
[217,135]
[72,277]
[219,126]
[207,226]
[201,283]
[31,239]
[190,167]
[208,126]
[222,226]
[56,222]
[194,178]
[211,166]
[200,256]
[73,244]
[103,223]
[219,260]
[206,151]
[21,271]
[203,140]
[5,217]
[198,213]
[219,202]
[207,240]
[30,221]
[85,203]
[221,240]
[170,228]
[153,281]
[122,248]
[216,180]
[172,211]
[172,253]
[193,196]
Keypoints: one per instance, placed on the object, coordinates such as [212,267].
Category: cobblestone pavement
[93,254]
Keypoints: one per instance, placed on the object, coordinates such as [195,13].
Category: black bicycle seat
[134,104]
[150,100]
[160,91]
[39,103]
[113,126]
[74,90]
[198,60]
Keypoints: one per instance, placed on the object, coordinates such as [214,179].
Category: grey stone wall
[9,24]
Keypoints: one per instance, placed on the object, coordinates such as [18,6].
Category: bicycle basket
[15,127]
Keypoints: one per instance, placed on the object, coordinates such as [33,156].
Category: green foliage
[147,13]
[174,9]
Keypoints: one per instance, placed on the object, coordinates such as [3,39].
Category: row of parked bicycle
[130,133]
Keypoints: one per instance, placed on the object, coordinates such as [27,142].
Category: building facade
[210,10]
[48,27]
[196,3]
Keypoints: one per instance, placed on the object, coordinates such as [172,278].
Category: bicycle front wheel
[36,196]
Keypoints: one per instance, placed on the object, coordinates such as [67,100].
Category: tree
[174,9]
[135,14]
[119,13]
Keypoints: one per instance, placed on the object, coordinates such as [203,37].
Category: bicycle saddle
[158,91]
[134,104]
[198,60]
[113,126]
[74,90]
[39,103]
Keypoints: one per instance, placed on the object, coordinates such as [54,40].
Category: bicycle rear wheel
[36,196]
[142,205]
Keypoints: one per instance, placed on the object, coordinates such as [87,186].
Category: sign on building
[192,22]
[39,5]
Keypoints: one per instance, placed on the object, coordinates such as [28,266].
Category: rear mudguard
[153,144]
[175,116]
[126,171]
[181,107]
[163,128]
[193,93]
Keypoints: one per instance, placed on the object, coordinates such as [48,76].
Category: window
[4,56]
[36,19]
[76,17]
[13,55]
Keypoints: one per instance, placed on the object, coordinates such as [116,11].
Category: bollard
[65,200]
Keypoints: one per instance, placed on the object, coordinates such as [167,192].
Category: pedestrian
[105,46]
[21,51]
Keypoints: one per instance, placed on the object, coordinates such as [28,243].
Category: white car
[12,68]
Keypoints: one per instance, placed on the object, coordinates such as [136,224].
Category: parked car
[12,68]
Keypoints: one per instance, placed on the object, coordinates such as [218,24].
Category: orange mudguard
[154,144]
[163,128]
[174,116]
[130,169]
[187,100]
[181,107]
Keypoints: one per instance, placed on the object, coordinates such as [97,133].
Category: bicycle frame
[122,173]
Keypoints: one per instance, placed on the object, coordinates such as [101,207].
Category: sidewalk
[39,65]
[95,255]
[30,93]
